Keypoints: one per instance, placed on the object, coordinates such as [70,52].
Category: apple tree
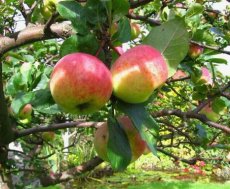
[142,74]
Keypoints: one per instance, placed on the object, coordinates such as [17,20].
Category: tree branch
[6,128]
[219,49]
[69,174]
[191,114]
[135,4]
[144,19]
[34,33]
[58,126]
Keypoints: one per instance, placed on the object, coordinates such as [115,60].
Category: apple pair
[81,84]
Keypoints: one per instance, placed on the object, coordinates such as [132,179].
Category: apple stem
[100,48]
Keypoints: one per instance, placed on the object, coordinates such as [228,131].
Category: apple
[179,74]
[137,145]
[48,136]
[135,30]
[212,15]
[25,114]
[200,1]
[49,7]
[80,83]
[206,76]
[137,72]
[209,113]
[195,50]
[119,50]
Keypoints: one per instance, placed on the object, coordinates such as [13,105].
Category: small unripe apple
[135,30]
[209,113]
[200,1]
[25,114]
[212,15]
[48,136]
[137,145]
[206,76]
[195,50]
[26,111]
[179,74]
[137,72]
[80,83]
[49,7]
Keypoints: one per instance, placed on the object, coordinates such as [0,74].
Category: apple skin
[135,30]
[25,114]
[206,76]
[137,145]
[212,15]
[26,111]
[48,136]
[209,113]
[119,50]
[49,7]
[80,83]
[179,74]
[137,72]
[195,50]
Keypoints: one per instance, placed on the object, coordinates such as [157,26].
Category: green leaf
[172,40]
[143,121]
[219,105]
[215,60]
[19,81]
[118,148]
[95,12]
[120,9]
[44,103]
[76,43]
[43,83]
[48,109]
[69,46]
[205,36]
[73,11]
[20,100]
[124,32]
[26,72]
[202,134]
[194,9]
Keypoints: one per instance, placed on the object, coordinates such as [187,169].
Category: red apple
[80,83]
[195,50]
[137,72]
[137,145]
[135,30]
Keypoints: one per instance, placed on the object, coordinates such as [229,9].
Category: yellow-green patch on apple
[137,72]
